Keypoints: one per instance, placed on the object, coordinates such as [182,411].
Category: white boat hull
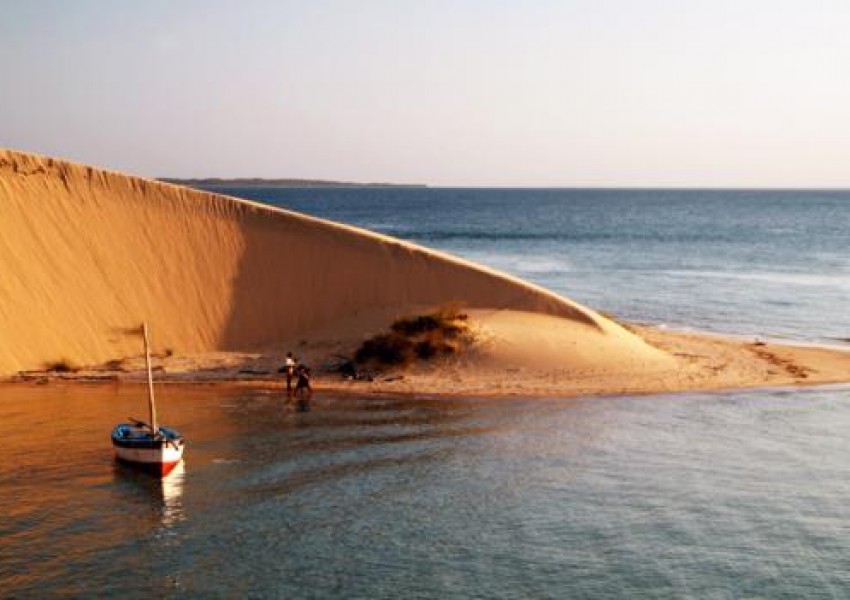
[137,446]
[168,454]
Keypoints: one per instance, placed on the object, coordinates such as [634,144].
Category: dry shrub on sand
[423,337]
[386,349]
[63,365]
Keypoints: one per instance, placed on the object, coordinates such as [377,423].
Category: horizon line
[343,184]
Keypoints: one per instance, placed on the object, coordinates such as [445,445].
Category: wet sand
[697,362]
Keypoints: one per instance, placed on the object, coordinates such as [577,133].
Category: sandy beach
[228,286]
[499,367]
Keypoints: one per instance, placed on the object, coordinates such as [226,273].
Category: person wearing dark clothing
[302,384]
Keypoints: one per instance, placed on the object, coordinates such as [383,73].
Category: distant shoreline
[214,182]
[283,183]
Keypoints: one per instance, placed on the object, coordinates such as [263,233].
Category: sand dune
[86,253]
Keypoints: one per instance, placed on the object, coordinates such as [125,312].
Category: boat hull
[141,449]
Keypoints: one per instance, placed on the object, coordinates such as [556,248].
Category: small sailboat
[148,446]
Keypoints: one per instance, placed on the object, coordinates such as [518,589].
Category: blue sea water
[741,494]
[749,262]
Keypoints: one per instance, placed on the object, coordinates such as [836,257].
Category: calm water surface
[710,496]
[735,495]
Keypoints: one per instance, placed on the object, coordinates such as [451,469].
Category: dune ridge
[86,253]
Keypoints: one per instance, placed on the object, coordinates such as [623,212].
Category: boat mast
[151,404]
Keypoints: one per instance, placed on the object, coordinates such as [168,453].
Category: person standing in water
[303,390]
[289,371]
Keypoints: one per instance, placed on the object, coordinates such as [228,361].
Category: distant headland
[293,183]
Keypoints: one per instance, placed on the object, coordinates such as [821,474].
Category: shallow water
[701,495]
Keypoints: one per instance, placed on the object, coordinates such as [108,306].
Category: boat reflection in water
[171,488]
[164,494]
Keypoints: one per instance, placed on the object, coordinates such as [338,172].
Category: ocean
[747,262]
[703,495]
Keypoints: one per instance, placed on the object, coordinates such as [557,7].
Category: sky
[644,93]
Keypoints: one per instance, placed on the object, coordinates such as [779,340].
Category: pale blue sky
[461,92]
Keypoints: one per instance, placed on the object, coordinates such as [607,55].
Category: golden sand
[86,254]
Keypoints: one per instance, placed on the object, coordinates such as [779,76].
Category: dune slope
[86,253]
